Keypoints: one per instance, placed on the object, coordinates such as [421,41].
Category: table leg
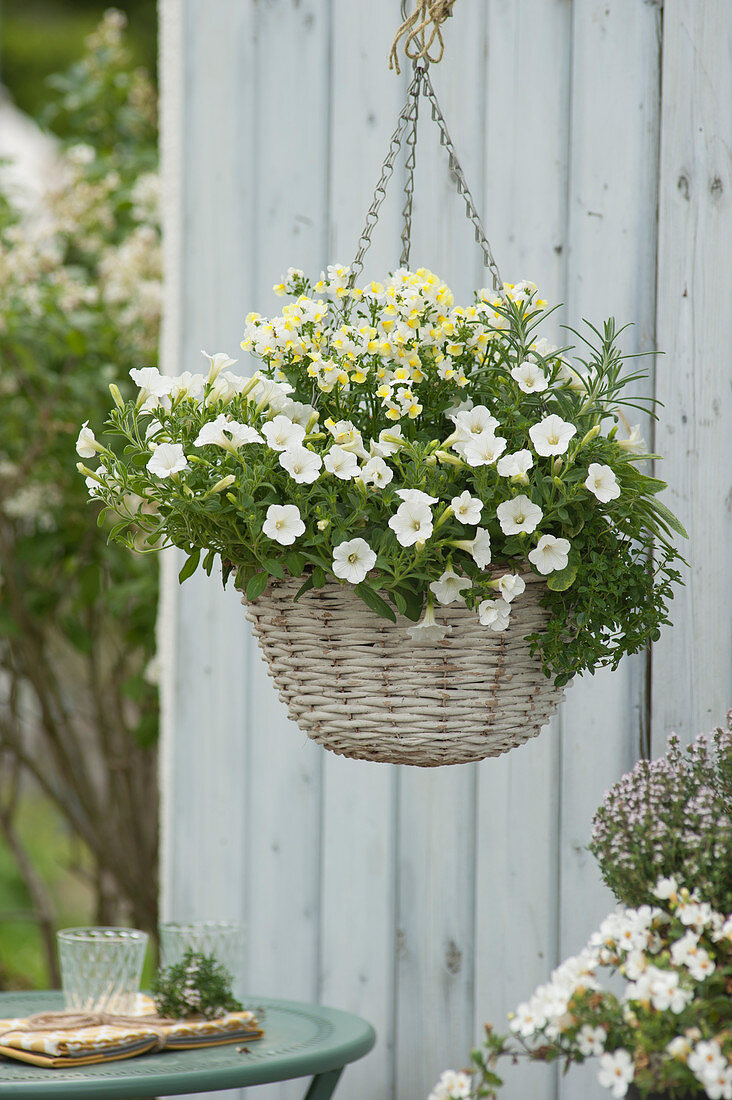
[323,1085]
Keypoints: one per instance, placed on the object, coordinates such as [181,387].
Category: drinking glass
[101,968]
[222,939]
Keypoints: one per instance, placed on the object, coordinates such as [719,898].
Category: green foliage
[196,986]
[348,387]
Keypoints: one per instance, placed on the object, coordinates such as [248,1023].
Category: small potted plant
[196,987]
[406,487]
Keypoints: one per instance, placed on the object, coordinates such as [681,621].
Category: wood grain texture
[692,663]
[612,241]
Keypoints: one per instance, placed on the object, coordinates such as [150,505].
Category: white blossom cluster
[388,354]
[666,956]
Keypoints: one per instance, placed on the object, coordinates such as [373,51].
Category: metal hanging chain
[387,171]
[411,143]
[462,186]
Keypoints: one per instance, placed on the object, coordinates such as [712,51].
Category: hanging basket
[361,687]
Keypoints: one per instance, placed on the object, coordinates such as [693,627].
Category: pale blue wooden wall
[596,137]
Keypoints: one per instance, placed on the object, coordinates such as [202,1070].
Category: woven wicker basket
[359,685]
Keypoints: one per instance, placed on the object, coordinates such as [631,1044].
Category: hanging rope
[421,31]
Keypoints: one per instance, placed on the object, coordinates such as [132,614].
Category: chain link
[462,186]
[387,171]
[410,163]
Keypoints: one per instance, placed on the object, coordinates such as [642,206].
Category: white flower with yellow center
[466,509]
[302,465]
[416,496]
[283,524]
[510,585]
[389,442]
[634,441]
[616,1072]
[530,377]
[601,482]
[494,614]
[151,382]
[282,435]
[376,472]
[450,587]
[167,460]
[219,361]
[484,449]
[341,463]
[352,560]
[412,522]
[551,435]
[516,465]
[452,1085]
[519,515]
[428,630]
[188,385]
[550,554]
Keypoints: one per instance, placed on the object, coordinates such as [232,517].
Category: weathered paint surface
[596,137]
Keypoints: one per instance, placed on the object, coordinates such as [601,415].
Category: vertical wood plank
[612,238]
[435,974]
[357,911]
[692,663]
[286,137]
[527,92]
[204,638]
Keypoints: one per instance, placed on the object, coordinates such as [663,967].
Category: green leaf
[256,585]
[274,568]
[564,579]
[374,601]
[304,588]
[400,602]
[191,565]
[208,561]
[295,563]
[319,577]
[668,518]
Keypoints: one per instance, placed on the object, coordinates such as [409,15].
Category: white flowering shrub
[670,817]
[80,296]
[665,1026]
[421,452]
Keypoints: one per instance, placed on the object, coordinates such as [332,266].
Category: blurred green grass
[40,37]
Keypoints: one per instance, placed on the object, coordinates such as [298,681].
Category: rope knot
[421,32]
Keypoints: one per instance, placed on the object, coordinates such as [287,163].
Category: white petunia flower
[241,434]
[510,585]
[219,361]
[302,465]
[519,514]
[428,630]
[228,434]
[187,385]
[530,377]
[516,465]
[634,442]
[416,496]
[450,587]
[341,463]
[283,524]
[476,421]
[495,614]
[591,1040]
[616,1072]
[167,459]
[151,382]
[551,435]
[86,444]
[376,472]
[412,522]
[602,482]
[282,435]
[480,548]
[352,560]
[390,440]
[467,509]
[550,554]
[483,450]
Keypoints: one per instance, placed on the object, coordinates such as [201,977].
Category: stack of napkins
[88,1045]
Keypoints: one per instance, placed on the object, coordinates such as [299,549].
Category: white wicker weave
[358,685]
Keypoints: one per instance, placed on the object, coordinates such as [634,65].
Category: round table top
[300,1040]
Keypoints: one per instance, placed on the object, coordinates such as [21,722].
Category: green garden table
[300,1040]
